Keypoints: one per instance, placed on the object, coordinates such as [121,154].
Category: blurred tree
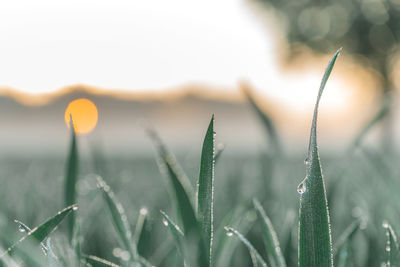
[366,27]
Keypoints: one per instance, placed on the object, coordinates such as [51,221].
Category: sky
[46,45]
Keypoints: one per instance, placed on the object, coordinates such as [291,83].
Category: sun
[84,115]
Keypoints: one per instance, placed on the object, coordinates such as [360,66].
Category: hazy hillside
[180,121]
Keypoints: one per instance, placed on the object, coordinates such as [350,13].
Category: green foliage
[197,235]
[270,238]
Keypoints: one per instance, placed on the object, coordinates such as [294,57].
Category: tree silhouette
[370,28]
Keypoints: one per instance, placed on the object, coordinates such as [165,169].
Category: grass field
[217,209]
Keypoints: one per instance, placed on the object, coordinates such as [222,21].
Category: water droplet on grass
[301,189]
[165,222]
[21,228]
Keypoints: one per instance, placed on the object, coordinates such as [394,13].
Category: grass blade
[392,246]
[315,245]
[270,238]
[346,236]
[71,179]
[182,188]
[118,216]
[380,115]
[265,119]
[39,233]
[99,262]
[205,197]
[176,232]
[253,252]
[139,236]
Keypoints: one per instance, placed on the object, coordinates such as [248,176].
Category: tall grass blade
[118,216]
[265,119]
[205,197]
[392,246]
[253,252]
[270,238]
[99,262]
[315,245]
[71,179]
[39,233]
[380,115]
[184,193]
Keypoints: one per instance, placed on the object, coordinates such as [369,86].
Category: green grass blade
[346,236]
[99,262]
[182,188]
[71,179]
[265,119]
[253,252]
[315,245]
[205,197]
[118,216]
[380,115]
[140,229]
[176,232]
[39,233]
[270,238]
[24,228]
[392,246]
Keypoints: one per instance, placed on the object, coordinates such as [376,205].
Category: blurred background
[170,65]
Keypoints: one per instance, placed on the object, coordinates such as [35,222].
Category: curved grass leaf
[118,216]
[184,195]
[270,238]
[381,114]
[315,245]
[205,196]
[253,252]
[99,262]
[71,179]
[182,188]
[39,233]
[392,247]
[265,119]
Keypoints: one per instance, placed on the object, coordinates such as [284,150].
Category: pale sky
[143,45]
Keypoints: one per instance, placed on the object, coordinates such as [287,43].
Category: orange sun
[84,115]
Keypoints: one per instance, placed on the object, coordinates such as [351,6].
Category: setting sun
[84,115]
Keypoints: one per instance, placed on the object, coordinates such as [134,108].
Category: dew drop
[307,161]
[75,207]
[387,248]
[301,189]
[165,222]
[385,224]
[143,211]
[229,233]
[21,228]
